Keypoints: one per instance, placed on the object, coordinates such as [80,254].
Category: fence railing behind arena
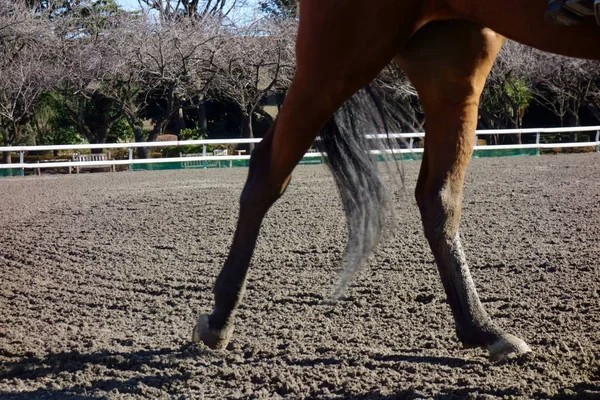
[204,160]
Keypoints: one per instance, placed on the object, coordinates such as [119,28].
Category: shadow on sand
[75,362]
[167,360]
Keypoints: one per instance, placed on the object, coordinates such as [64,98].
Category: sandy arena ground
[103,275]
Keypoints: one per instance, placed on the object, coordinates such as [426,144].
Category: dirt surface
[103,276]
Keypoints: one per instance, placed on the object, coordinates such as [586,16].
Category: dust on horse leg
[449,89]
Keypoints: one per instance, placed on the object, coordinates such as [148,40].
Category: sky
[246,12]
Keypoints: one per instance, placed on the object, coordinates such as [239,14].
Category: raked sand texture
[102,277]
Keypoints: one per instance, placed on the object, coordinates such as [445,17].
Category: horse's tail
[356,174]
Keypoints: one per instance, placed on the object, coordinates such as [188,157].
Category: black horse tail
[356,174]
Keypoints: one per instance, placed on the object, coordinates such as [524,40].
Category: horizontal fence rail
[407,137]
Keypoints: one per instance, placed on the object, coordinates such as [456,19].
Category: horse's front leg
[335,57]
[259,193]
[449,89]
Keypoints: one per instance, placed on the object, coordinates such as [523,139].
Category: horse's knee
[440,208]
[258,196]
[261,189]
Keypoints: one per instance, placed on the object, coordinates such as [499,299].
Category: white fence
[409,137]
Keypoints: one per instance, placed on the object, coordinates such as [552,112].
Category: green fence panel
[209,164]
[11,172]
[160,166]
[505,153]
[399,157]
[156,166]
[320,160]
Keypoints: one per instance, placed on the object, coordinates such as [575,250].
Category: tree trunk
[247,131]
[100,135]
[138,134]
[573,121]
[158,129]
[96,127]
[594,107]
[7,142]
[202,122]
[144,152]
[515,123]
[179,122]
[9,137]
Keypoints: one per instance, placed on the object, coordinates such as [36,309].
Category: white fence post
[22,161]
[537,142]
[130,151]
[598,140]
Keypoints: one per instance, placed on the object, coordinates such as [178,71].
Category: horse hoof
[216,340]
[506,346]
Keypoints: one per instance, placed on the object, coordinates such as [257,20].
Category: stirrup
[583,8]
[572,12]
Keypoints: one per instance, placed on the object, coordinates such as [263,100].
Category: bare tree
[161,64]
[565,85]
[86,53]
[280,9]
[508,92]
[253,63]
[122,82]
[174,10]
[593,100]
[25,67]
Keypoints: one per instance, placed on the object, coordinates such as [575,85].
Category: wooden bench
[92,157]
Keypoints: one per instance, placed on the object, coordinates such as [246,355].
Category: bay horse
[446,48]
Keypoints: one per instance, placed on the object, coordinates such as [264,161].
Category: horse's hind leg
[336,56]
[448,63]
